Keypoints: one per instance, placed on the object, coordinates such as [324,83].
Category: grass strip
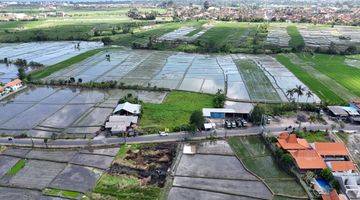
[16,168]
[64,64]
[61,193]
[296,40]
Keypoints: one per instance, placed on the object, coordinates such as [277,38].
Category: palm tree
[299,90]
[290,93]
[308,95]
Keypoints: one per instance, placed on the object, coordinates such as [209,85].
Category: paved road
[179,136]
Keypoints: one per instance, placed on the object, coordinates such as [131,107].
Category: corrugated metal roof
[129,107]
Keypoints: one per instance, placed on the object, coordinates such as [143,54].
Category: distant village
[344,14]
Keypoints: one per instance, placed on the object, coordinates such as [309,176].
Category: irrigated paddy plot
[215,173]
[237,75]
[323,37]
[44,111]
[50,171]
[278,36]
[258,85]
[46,53]
[283,80]
[257,158]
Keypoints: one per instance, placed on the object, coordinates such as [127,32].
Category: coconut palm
[312,119]
[308,95]
[299,90]
[290,93]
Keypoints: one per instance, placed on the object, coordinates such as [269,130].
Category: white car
[162,133]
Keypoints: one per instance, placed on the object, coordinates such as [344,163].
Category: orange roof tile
[331,149]
[1,89]
[13,83]
[341,166]
[291,142]
[333,195]
[308,159]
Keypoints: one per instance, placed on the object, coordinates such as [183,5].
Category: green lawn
[296,40]
[321,90]
[61,193]
[257,158]
[16,168]
[175,110]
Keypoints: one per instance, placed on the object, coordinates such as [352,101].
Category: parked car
[243,122]
[239,123]
[233,124]
[227,124]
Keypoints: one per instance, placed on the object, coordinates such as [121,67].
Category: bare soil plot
[76,178]
[97,161]
[18,194]
[6,162]
[36,174]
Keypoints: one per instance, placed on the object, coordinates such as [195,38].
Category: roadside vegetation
[174,113]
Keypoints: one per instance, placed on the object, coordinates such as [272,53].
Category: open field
[204,176]
[174,111]
[333,82]
[51,173]
[64,112]
[257,158]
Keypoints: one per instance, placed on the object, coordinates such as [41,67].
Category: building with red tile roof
[308,159]
[333,195]
[341,166]
[14,84]
[288,141]
[331,149]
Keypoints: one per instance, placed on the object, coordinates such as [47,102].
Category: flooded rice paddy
[42,111]
[46,53]
[187,71]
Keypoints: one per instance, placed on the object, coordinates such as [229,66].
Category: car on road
[162,133]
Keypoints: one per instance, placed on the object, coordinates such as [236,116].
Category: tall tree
[299,90]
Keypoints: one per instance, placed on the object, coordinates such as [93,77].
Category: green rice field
[326,75]
[296,40]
